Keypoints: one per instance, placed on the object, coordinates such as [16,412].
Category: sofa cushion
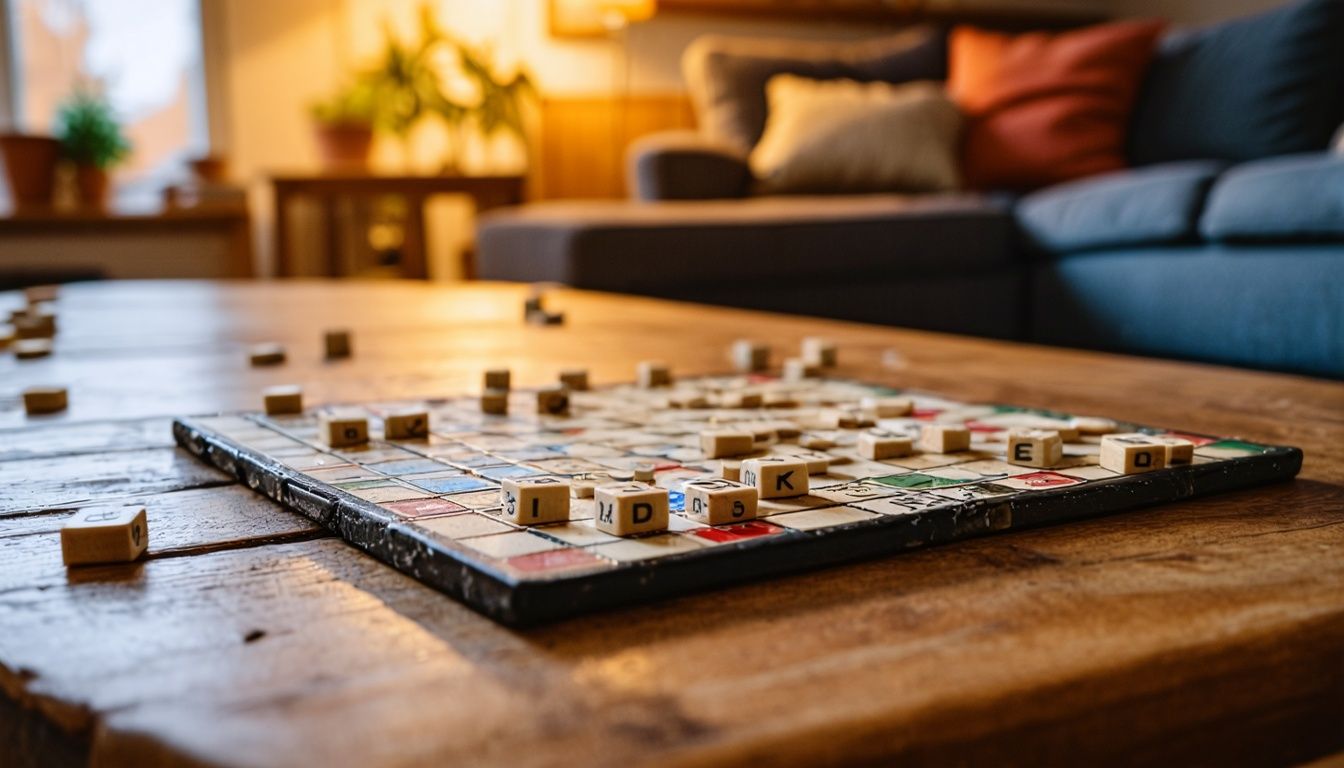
[782,241]
[726,76]
[1299,197]
[843,136]
[1255,87]
[1047,107]
[1147,206]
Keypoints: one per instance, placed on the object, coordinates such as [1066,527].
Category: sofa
[1223,241]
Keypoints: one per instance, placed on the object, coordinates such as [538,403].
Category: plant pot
[344,146]
[92,182]
[210,168]
[30,168]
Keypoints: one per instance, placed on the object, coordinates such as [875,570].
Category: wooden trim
[583,141]
[883,12]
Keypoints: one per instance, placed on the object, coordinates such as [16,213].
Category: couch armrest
[683,165]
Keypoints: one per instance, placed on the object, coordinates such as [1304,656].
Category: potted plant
[30,168]
[344,125]
[92,140]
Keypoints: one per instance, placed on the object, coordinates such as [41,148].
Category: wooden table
[327,189]
[1210,631]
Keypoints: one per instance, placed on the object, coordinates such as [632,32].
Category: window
[144,55]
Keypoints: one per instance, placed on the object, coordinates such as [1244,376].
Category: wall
[1191,11]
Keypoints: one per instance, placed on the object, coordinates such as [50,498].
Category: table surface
[1204,631]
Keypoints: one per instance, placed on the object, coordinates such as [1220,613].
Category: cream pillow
[846,136]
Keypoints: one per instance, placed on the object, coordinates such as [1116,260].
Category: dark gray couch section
[943,263]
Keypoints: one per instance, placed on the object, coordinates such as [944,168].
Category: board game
[430,506]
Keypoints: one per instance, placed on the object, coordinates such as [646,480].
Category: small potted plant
[92,141]
[344,126]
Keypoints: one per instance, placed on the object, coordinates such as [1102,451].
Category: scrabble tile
[553,401]
[750,356]
[819,352]
[575,379]
[719,443]
[498,378]
[495,401]
[652,373]
[340,431]
[406,425]
[7,335]
[887,407]
[35,324]
[1179,450]
[884,445]
[1131,454]
[35,294]
[1092,425]
[1034,447]
[816,442]
[780,400]
[741,400]
[797,369]
[776,477]
[39,400]
[729,469]
[631,508]
[31,349]
[719,502]
[688,400]
[266,354]
[104,534]
[944,438]
[643,472]
[534,500]
[337,344]
[282,400]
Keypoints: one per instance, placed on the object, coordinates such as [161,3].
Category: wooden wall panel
[581,153]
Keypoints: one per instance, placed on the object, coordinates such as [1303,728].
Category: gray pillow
[1289,198]
[726,76]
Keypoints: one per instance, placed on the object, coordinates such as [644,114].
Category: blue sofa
[1223,243]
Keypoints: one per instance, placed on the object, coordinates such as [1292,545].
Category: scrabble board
[431,507]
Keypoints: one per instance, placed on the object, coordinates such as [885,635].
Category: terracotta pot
[212,168]
[92,182]
[30,168]
[344,146]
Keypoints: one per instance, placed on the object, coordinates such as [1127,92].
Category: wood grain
[583,140]
[1202,632]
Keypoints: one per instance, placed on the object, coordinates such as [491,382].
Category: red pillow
[1043,108]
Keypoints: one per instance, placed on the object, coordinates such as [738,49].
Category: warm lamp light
[623,12]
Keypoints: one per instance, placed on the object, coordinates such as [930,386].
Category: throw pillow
[1044,108]
[1266,85]
[844,136]
[726,76]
